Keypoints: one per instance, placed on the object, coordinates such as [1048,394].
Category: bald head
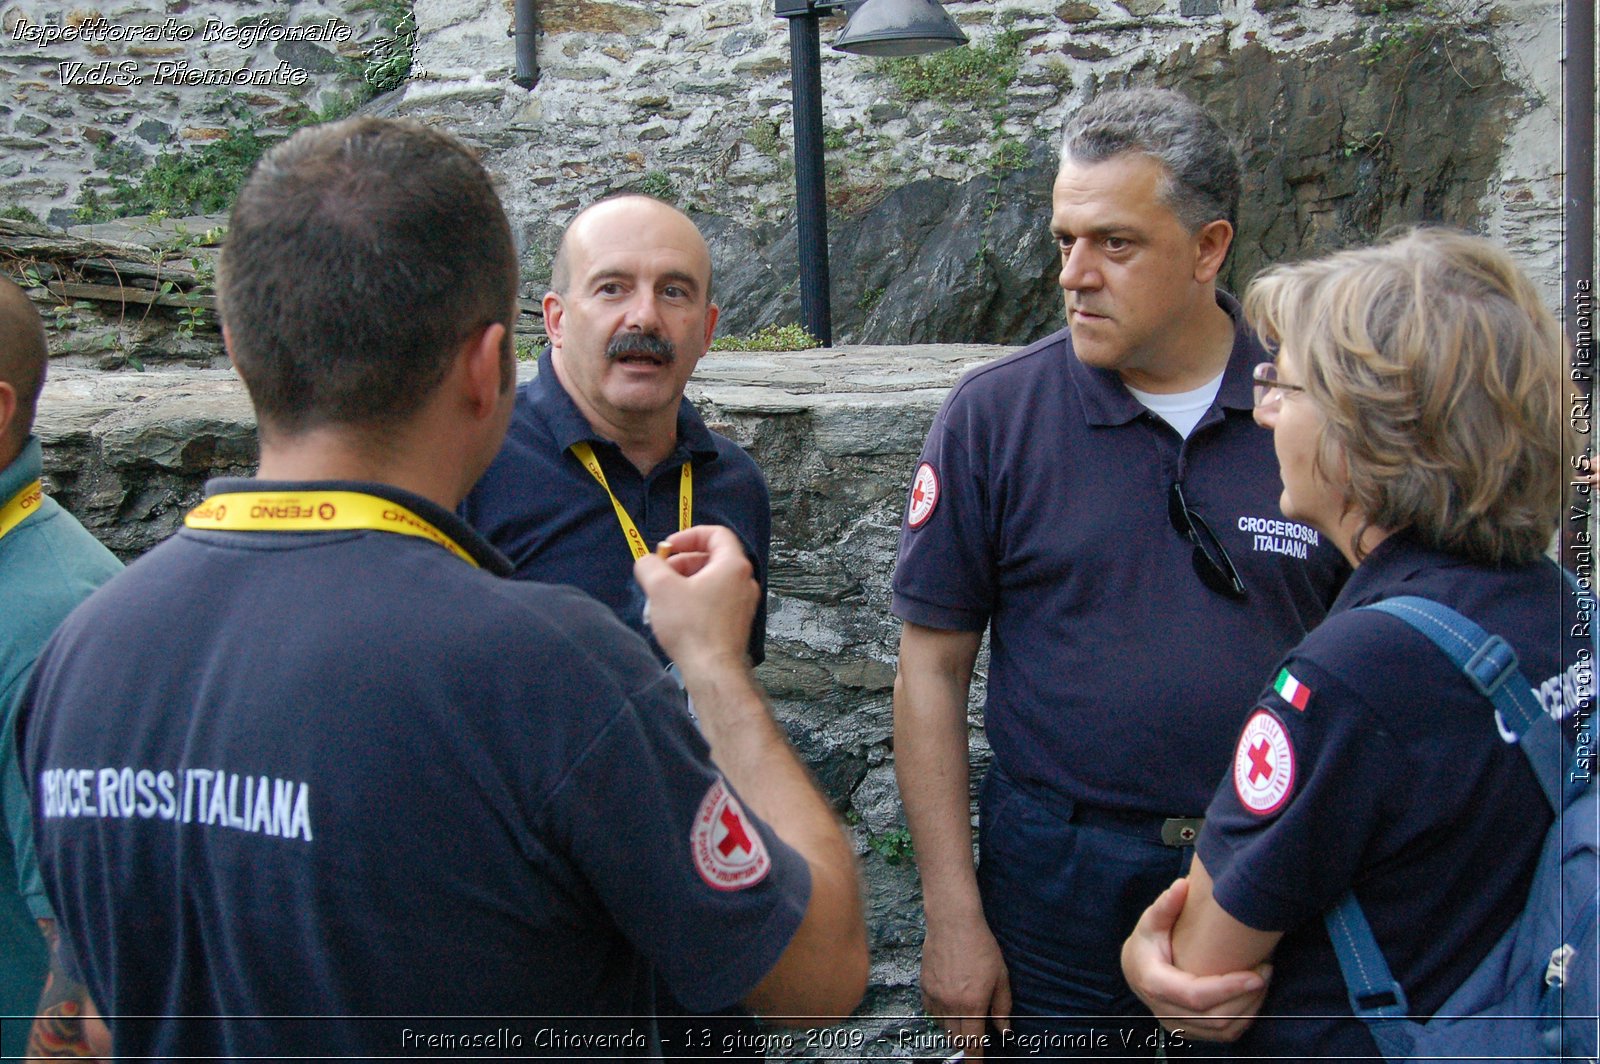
[623,219]
[22,365]
[628,317]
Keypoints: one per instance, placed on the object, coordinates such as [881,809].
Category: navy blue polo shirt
[1039,509]
[543,510]
[346,775]
[1380,767]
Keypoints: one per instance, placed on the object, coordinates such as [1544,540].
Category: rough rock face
[1337,150]
[935,260]
[129,453]
[1342,142]
[837,433]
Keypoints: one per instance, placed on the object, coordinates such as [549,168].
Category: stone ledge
[79,402]
[130,451]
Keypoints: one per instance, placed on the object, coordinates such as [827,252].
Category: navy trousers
[1062,888]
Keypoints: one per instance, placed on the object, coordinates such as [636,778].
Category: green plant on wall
[977,72]
[1395,39]
[858,174]
[893,846]
[204,178]
[765,137]
[770,338]
[118,160]
[81,327]
[198,180]
[1008,154]
[388,60]
[658,184]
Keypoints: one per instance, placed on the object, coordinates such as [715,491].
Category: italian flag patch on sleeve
[1291,690]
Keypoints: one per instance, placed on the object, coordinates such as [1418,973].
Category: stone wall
[1353,116]
[837,433]
[96,91]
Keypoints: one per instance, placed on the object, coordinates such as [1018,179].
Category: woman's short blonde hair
[1441,376]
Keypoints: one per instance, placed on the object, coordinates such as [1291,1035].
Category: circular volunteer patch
[1263,765]
[728,851]
[924,495]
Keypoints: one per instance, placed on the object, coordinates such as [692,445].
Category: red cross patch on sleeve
[728,851]
[924,496]
[1263,765]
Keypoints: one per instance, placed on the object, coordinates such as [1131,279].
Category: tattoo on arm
[67,1023]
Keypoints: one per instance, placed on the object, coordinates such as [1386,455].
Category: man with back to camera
[1104,505]
[604,457]
[48,564]
[355,778]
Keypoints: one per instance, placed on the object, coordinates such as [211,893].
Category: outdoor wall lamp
[876,27]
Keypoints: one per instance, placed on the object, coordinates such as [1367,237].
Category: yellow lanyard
[630,531]
[19,506]
[315,511]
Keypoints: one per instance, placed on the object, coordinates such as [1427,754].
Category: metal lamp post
[876,27]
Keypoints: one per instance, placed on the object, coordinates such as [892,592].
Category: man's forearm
[930,745]
[823,971]
[703,596]
[965,985]
[755,755]
[66,1023]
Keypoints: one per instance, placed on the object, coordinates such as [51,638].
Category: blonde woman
[1416,404]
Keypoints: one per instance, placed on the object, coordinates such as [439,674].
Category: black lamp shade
[899,27]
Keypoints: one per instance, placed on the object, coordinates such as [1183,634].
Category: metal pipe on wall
[525,29]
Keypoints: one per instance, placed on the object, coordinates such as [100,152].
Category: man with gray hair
[1103,504]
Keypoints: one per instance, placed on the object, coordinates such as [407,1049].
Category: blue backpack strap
[1490,665]
[1375,996]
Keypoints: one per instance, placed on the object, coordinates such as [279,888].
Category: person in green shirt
[48,564]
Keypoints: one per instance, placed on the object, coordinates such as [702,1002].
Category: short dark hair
[1202,168]
[23,356]
[359,255]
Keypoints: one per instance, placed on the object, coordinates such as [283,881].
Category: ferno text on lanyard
[20,507]
[630,531]
[315,511]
